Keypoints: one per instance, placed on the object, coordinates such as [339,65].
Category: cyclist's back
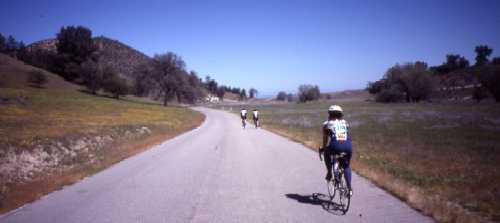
[255,116]
[243,114]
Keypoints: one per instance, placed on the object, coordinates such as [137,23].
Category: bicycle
[243,123]
[338,183]
[256,123]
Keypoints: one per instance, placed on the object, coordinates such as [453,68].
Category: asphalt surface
[218,172]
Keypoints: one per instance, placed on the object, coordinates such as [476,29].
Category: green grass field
[60,112]
[31,114]
[449,151]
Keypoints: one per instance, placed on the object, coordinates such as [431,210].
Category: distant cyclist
[255,116]
[243,114]
[337,139]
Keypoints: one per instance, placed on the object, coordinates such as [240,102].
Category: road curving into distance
[215,173]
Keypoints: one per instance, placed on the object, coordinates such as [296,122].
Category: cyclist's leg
[347,148]
[347,171]
[328,162]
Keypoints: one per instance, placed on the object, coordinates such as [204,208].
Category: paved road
[215,173]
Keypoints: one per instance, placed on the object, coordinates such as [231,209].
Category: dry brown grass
[441,158]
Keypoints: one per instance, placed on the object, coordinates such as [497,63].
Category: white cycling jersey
[243,112]
[338,129]
[256,114]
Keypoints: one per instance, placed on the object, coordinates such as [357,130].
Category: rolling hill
[56,134]
[123,58]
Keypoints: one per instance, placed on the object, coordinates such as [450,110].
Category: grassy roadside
[441,158]
[32,117]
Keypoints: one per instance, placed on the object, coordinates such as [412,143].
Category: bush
[389,95]
[281,96]
[74,46]
[220,93]
[308,93]
[114,84]
[37,78]
[91,75]
[253,93]
[376,87]
[243,95]
[412,81]
[489,76]
[144,83]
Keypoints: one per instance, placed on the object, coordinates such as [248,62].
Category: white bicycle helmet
[335,108]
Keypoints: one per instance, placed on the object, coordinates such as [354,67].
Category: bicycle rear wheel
[331,189]
[344,197]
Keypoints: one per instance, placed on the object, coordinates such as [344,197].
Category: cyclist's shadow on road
[318,199]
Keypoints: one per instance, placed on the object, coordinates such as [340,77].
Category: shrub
[308,93]
[389,95]
[243,95]
[91,75]
[281,96]
[114,84]
[253,93]
[411,80]
[489,76]
[376,87]
[74,46]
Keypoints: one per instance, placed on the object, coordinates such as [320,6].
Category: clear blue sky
[275,45]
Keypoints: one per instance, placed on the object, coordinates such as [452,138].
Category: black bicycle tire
[344,193]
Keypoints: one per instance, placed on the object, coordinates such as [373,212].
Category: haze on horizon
[275,45]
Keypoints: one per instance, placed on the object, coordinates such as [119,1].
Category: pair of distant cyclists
[336,139]
[255,117]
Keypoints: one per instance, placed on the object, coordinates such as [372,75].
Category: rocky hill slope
[123,58]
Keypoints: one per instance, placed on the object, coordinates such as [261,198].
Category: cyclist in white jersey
[255,116]
[243,114]
[337,139]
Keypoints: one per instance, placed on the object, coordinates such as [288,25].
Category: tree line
[10,46]
[306,92]
[416,81]
[76,59]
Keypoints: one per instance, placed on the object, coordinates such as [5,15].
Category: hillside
[57,134]
[119,56]
[10,66]
[350,95]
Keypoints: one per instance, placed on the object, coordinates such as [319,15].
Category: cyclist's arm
[325,136]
